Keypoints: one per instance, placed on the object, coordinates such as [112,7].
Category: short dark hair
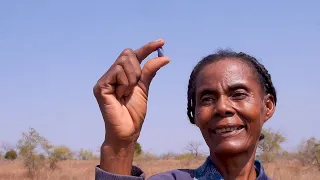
[262,74]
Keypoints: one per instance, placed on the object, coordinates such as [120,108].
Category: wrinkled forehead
[228,72]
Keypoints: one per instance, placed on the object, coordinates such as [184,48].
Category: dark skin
[122,95]
[228,94]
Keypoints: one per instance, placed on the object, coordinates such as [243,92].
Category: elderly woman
[230,97]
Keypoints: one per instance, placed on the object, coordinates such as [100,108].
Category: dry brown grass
[67,170]
[78,170]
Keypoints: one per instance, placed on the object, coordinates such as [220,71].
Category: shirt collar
[209,172]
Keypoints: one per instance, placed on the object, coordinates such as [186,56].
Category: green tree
[27,145]
[309,151]
[11,155]
[272,141]
[270,146]
[138,149]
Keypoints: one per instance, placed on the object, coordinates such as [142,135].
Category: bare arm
[122,95]
[117,159]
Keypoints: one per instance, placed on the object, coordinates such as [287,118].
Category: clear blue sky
[52,53]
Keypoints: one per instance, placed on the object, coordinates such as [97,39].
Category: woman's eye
[239,96]
[207,100]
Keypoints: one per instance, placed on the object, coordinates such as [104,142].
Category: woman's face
[231,106]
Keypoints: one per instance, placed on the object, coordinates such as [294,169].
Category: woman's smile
[228,129]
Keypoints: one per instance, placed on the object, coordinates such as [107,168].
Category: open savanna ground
[34,157]
[84,170]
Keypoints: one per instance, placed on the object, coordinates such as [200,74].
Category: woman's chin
[228,149]
[228,143]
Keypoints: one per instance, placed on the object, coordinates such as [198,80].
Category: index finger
[147,49]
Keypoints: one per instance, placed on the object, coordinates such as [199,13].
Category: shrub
[62,153]
[59,153]
[186,156]
[85,154]
[28,145]
[309,152]
[169,155]
[138,149]
[42,157]
[11,155]
[267,157]
[272,141]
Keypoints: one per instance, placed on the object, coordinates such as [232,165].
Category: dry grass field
[84,170]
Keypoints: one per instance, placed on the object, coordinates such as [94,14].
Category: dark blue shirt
[207,171]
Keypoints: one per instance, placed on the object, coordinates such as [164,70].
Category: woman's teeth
[227,129]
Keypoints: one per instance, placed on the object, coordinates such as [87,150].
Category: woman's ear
[269,106]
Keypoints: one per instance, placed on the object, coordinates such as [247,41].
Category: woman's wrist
[117,158]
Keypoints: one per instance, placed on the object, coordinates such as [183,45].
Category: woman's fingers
[126,72]
[132,69]
[147,49]
[149,71]
[121,81]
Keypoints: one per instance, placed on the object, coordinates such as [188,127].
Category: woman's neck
[240,166]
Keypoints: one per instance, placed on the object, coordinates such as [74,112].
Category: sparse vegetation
[36,151]
[193,148]
[39,159]
[138,149]
[309,152]
[269,148]
[11,155]
[59,153]
[85,154]
[27,146]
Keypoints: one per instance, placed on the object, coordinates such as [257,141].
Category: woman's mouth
[228,130]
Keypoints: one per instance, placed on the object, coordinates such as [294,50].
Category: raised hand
[122,92]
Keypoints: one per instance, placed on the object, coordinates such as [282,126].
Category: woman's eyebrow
[205,90]
[238,85]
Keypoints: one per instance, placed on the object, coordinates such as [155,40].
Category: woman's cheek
[203,115]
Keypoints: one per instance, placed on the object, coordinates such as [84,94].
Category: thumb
[149,70]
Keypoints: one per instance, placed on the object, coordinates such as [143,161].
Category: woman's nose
[223,107]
